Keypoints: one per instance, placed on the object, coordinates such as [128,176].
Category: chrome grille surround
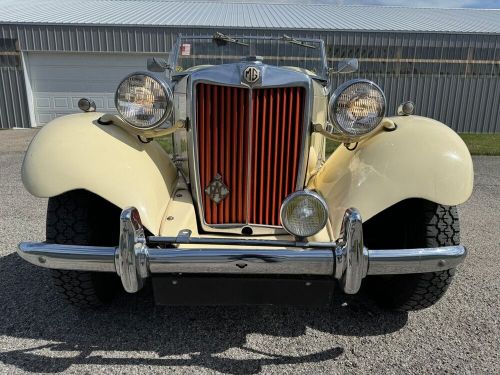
[231,75]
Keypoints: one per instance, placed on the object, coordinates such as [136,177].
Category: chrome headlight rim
[340,131]
[313,194]
[168,94]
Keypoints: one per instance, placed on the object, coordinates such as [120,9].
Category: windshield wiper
[224,38]
[292,40]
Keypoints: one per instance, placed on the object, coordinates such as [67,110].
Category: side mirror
[346,66]
[157,64]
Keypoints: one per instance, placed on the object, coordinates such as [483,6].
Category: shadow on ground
[179,336]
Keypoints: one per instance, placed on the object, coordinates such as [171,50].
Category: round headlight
[356,108]
[304,213]
[143,100]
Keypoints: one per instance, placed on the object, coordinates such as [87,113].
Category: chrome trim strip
[242,261]
[230,75]
[401,261]
[249,153]
[347,260]
[172,241]
[68,257]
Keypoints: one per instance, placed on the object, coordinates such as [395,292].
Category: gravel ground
[40,333]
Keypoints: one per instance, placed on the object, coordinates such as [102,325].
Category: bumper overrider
[138,257]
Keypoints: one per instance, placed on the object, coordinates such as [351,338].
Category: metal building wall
[13,102]
[454,78]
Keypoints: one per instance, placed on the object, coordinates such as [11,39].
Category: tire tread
[430,225]
[69,218]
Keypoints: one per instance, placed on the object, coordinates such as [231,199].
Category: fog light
[304,213]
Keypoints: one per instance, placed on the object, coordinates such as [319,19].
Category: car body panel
[75,152]
[422,158]
[180,215]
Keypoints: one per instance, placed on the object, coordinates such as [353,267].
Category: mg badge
[251,74]
[217,190]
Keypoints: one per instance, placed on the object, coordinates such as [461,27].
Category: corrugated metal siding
[466,104]
[13,104]
[253,15]
[90,39]
[454,78]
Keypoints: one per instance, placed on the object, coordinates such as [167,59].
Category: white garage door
[59,80]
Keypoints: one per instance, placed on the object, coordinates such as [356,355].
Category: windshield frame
[174,55]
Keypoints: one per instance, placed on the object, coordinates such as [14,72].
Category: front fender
[75,152]
[422,158]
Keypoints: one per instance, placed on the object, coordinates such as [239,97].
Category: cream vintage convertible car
[248,208]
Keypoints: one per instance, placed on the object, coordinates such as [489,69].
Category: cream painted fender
[422,158]
[75,152]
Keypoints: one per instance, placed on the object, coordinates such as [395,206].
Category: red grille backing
[225,146]
[222,115]
[276,140]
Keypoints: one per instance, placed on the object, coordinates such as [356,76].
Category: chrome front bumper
[346,260]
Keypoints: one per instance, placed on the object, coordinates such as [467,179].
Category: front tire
[413,223]
[82,218]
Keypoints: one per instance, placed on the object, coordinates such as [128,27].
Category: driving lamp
[356,108]
[143,100]
[304,213]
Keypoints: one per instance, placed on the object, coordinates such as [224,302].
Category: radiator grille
[276,141]
[256,150]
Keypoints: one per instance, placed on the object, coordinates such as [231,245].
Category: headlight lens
[304,213]
[143,100]
[357,107]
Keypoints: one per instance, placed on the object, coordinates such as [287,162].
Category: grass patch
[331,146]
[482,144]
[167,144]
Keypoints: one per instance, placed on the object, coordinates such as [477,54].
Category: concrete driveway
[40,333]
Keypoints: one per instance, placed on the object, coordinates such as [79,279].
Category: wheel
[82,218]
[413,223]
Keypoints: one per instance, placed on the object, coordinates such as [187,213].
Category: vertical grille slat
[234,155]
[242,146]
[277,153]
[200,114]
[282,147]
[256,149]
[298,121]
[253,166]
[269,172]
[290,144]
[259,175]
